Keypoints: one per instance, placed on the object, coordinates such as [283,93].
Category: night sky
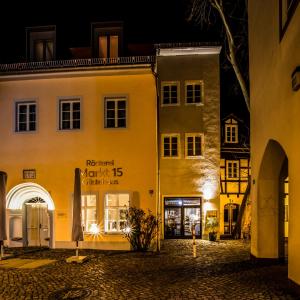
[144,22]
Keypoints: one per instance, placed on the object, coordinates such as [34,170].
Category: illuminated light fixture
[23,192]
[127,230]
[296,79]
[94,229]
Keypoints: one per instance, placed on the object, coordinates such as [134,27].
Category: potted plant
[212,228]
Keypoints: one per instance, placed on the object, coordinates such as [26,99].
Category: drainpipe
[158,202]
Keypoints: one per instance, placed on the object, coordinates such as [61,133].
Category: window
[69,112]
[115,113]
[232,169]
[193,144]
[194,92]
[170,93]
[88,211]
[43,50]
[170,145]
[107,39]
[116,206]
[231,133]
[286,11]
[25,116]
[108,46]
[41,43]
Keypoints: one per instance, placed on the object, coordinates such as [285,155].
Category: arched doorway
[30,216]
[231,211]
[271,202]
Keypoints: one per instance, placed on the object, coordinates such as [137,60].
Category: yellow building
[115,118]
[274,40]
[96,118]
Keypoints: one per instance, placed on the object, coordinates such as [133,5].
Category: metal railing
[73,64]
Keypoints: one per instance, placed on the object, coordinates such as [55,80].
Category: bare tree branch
[201,13]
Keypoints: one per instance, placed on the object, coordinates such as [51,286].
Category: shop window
[116,205]
[115,112]
[193,145]
[194,92]
[232,169]
[88,212]
[25,116]
[170,145]
[170,93]
[69,114]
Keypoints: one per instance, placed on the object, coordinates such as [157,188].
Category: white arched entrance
[30,216]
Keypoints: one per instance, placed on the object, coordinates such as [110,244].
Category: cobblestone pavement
[221,270]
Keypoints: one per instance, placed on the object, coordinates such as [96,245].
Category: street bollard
[194,241]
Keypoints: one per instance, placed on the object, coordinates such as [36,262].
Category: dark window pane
[32,117]
[110,114]
[76,115]
[174,88]
[226,219]
[66,125]
[22,117]
[190,151]
[66,116]
[76,106]
[32,126]
[110,104]
[121,104]
[76,124]
[22,127]
[110,123]
[122,123]
[32,108]
[121,113]
[66,106]
[23,109]
[166,152]
[174,151]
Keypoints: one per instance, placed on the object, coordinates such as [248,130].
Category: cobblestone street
[222,270]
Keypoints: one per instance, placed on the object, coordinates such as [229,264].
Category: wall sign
[101,172]
[29,174]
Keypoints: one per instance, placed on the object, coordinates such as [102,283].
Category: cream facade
[95,119]
[274,39]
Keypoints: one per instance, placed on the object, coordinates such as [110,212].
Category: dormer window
[107,39]
[41,43]
[231,131]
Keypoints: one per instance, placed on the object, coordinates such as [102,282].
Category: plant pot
[212,236]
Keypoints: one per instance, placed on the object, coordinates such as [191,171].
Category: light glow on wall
[23,192]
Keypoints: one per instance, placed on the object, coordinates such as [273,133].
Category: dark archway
[270,202]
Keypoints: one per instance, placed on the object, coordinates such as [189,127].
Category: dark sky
[153,21]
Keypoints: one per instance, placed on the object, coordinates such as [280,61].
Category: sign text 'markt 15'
[100,172]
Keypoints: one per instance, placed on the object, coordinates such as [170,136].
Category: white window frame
[170,135]
[230,138]
[118,208]
[194,135]
[170,84]
[116,118]
[193,83]
[230,166]
[27,104]
[71,101]
[84,209]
